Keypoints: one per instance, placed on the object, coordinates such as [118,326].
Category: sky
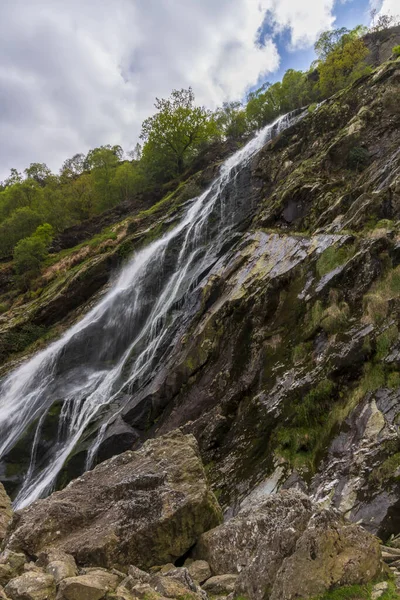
[75,75]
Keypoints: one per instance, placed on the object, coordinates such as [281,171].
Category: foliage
[343,59]
[358,159]
[30,253]
[20,224]
[396,51]
[176,131]
[231,120]
[359,592]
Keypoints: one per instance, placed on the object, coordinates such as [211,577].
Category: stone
[16,560]
[91,586]
[379,589]
[138,575]
[332,553]
[172,588]
[270,526]
[199,570]
[58,563]
[31,586]
[221,585]
[143,508]
[5,512]
[6,573]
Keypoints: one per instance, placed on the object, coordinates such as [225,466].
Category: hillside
[254,305]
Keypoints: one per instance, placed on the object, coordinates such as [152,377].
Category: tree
[30,253]
[74,166]
[39,172]
[381,22]
[344,64]
[102,163]
[177,129]
[231,119]
[20,224]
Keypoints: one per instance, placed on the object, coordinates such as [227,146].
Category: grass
[359,592]
[332,258]
[376,301]
[386,470]
[385,341]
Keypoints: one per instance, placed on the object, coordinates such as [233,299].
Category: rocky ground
[145,525]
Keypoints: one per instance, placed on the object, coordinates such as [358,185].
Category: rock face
[143,508]
[271,545]
[5,512]
[328,554]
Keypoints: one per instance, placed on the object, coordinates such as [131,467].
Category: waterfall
[117,347]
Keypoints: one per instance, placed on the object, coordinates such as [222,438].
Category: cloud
[387,7]
[78,74]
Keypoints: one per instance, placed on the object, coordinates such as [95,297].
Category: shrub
[30,253]
[385,341]
[358,159]
[396,51]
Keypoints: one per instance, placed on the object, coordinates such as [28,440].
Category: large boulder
[268,529]
[31,586]
[331,553]
[5,512]
[143,508]
[272,544]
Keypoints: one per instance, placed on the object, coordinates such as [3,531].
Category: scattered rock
[92,586]
[31,586]
[144,508]
[379,589]
[5,512]
[220,585]
[199,570]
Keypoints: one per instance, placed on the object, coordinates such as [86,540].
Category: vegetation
[359,592]
[333,257]
[396,51]
[173,137]
[30,253]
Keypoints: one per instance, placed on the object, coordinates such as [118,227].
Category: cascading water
[118,345]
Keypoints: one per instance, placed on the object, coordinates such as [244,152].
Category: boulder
[199,570]
[31,586]
[271,526]
[5,512]
[6,573]
[332,553]
[221,585]
[91,586]
[143,508]
[269,547]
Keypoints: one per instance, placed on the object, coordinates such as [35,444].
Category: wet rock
[5,512]
[141,508]
[91,586]
[118,438]
[221,585]
[331,553]
[31,586]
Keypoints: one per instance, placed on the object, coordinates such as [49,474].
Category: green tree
[102,163]
[177,129]
[344,64]
[74,166]
[22,223]
[39,172]
[30,253]
[231,120]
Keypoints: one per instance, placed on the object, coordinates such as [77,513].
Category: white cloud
[388,7]
[77,74]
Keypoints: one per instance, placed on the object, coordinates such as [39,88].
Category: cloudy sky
[75,74]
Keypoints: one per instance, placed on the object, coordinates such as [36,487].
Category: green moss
[393,380]
[373,378]
[359,592]
[396,51]
[385,341]
[386,470]
[301,352]
[332,258]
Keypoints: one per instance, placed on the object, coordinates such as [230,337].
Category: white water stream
[117,346]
